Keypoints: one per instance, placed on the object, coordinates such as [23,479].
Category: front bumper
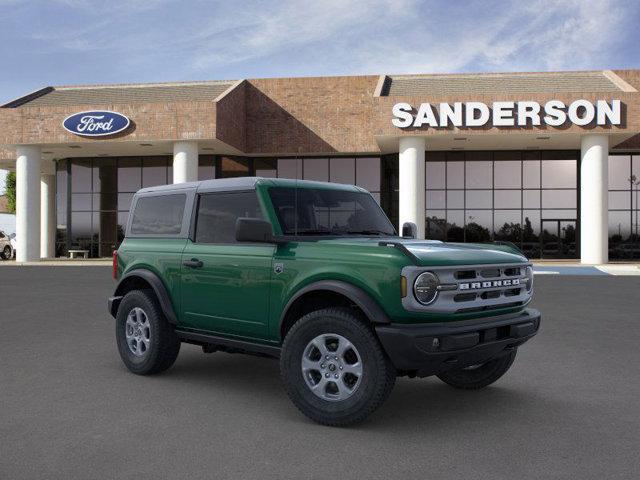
[428,349]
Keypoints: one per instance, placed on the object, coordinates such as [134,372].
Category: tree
[10,187]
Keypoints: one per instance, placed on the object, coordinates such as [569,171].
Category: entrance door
[558,238]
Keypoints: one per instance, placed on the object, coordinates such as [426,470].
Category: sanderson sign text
[507,114]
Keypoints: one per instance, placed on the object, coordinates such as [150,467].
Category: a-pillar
[48,210]
[28,203]
[185,161]
[412,183]
[594,211]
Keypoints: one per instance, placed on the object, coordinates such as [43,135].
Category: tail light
[115,265]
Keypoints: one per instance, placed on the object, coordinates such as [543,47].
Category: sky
[71,42]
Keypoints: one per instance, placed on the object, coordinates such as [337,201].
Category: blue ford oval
[96,123]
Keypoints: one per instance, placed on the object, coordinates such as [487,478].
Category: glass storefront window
[368,173]
[81,175]
[624,207]
[343,170]
[129,174]
[265,167]
[478,174]
[436,199]
[206,167]
[507,174]
[485,196]
[154,171]
[559,174]
[435,173]
[290,168]
[316,169]
[478,199]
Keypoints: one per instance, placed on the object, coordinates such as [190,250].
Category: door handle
[193,263]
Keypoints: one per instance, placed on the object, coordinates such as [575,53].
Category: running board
[227,344]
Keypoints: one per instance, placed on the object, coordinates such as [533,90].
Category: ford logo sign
[96,124]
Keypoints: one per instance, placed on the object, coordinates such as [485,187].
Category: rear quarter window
[158,215]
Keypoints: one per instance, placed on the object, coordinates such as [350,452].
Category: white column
[411,182]
[48,211]
[28,203]
[185,162]
[594,210]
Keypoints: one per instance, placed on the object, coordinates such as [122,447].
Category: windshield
[318,211]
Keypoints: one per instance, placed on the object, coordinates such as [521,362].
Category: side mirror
[409,230]
[253,230]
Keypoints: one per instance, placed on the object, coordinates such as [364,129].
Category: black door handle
[193,263]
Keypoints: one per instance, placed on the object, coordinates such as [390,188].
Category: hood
[435,253]
[445,254]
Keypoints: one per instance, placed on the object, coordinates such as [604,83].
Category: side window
[218,212]
[158,215]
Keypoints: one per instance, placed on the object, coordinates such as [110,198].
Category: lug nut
[327,357]
[322,365]
[341,367]
[335,358]
[327,375]
[336,375]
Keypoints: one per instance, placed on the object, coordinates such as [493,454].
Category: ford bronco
[314,274]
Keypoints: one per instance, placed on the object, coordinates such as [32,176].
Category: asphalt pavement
[569,408]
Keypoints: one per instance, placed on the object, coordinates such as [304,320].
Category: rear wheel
[334,369]
[479,376]
[146,341]
[6,253]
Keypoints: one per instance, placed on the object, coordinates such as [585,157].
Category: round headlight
[425,288]
[529,273]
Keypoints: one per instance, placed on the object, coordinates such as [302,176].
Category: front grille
[474,288]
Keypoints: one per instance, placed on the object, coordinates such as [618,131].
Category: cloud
[83,41]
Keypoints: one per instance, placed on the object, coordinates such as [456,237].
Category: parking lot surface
[569,407]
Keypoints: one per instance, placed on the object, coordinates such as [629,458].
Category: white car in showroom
[7,245]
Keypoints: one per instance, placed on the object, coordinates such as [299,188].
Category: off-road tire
[164,344]
[378,376]
[480,377]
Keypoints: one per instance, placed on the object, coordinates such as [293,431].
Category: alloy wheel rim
[332,367]
[138,332]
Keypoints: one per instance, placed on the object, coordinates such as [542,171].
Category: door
[225,284]
[558,238]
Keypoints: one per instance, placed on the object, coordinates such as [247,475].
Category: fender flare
[362,299]
[158,287]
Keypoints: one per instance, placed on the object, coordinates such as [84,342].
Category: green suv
[314,274]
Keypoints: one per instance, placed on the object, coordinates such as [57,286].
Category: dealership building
[549,161]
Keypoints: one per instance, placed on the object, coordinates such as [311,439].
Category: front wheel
[479,376]
[6,253]
[334,369]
